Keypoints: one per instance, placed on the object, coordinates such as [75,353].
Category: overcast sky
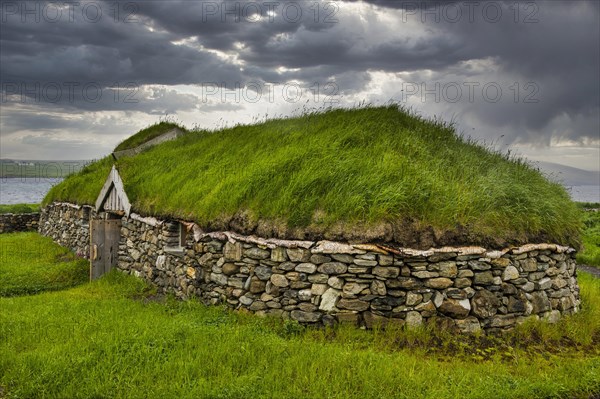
[78,77]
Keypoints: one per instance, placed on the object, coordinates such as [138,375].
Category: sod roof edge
[382,153]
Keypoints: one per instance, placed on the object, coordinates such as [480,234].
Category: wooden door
[104,249]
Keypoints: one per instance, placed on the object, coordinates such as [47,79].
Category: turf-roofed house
[370,216]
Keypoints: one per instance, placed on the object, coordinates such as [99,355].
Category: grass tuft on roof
[372,173]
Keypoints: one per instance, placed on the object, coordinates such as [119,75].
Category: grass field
[590,253]
[344,170]
[30,264]
[114,338]
[19,208]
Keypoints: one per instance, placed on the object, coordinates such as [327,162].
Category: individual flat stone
[378,288]
[333,268]
[485,304]
[455,308]
[279,280]
[439,283]
[413,319]
[305,317]
[308,268]
[353,304]
[257,253]
[510,273]
[329,300]
[386,271]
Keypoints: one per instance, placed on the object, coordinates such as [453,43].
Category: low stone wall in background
[325,282]
[13,222]
[68,225]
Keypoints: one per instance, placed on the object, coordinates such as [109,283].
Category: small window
[85,212]
[174,235]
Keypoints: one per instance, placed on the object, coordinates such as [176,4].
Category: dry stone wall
[467,288]
[326,282]
[68,225]
[13,222]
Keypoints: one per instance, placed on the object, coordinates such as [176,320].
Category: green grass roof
[147,134]
[374,173]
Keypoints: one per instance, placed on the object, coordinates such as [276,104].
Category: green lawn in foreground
[109,339]
[590,253]
[30,264]
[340,170]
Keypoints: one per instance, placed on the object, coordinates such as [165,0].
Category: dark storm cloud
[131,45]
[125,97]
[552,44]
[558,51]
[524,40]
[219,24]
[24,120]
[551,48]
[106,53]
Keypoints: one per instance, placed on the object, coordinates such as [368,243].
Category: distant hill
[569,176]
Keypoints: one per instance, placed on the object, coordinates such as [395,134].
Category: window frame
[178,249]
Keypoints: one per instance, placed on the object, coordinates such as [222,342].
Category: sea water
[30,190]
[585,193]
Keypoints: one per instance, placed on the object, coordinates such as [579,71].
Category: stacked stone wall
[68,225]
[14,222]
[325,282]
